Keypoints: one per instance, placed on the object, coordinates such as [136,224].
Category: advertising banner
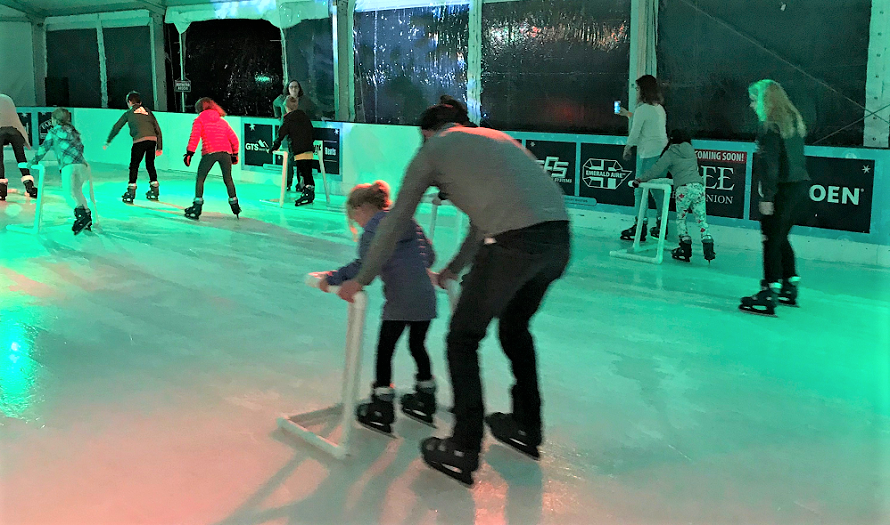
[558,160]
[724,174]
[257,140]
[606,174]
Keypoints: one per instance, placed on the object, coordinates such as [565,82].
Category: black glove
[634,183]
[234,158]
[187,158]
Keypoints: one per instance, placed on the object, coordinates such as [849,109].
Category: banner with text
[558,160]
[257,141]
[606,174]
[840,194]
[724,174]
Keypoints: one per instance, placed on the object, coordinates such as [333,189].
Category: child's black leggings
[390,332]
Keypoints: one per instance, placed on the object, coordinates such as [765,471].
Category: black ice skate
[307,197]
[236,209]
[83,220]
[194,211]
[130,195]
[444,456]
[788,293]
[30,189]
[505,429]
[3,190]
[656,230]
[628,234]
[421,404]
[762,303]
[684,251]
[378,414]
[707,245]
[152,194]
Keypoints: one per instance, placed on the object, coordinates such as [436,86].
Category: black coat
[297,127]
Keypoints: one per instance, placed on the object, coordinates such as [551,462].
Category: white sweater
[647,131]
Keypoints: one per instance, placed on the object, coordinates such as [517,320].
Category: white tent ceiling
[45,8]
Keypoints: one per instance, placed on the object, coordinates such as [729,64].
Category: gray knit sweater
[680,160]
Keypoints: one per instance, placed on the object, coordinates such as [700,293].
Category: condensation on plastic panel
[310,60]
[709,51]
[128,64]
[235,62]
[555,65]
[406,58]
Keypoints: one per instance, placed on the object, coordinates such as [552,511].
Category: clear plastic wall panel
[72,69]
[555,65]
[235,62]
[405,59]
[310,60]
[128,64]
[709,51]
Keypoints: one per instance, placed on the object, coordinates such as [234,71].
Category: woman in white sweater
[648,133]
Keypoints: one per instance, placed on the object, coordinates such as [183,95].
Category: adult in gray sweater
[679,159]
[147,142]
[519,244]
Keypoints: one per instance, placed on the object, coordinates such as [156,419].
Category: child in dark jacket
[219,144]
[410,302]
[297,128]
[147,142]
[679,159]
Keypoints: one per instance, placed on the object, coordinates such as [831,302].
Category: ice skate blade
[522,448]
[383,429]
[792,304]
[462,477]
[752,310]
[681,258]
[419,418]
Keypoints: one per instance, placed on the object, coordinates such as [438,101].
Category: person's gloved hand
[234,158]
[187,158]
[766,208]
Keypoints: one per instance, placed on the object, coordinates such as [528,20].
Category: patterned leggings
[691,197]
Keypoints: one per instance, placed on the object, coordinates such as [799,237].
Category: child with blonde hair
[410,303]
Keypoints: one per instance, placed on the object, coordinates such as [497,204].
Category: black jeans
[778,256]
[508,281]
[146,149]
[390,332]
[304,168]
[207,162]
[10,135]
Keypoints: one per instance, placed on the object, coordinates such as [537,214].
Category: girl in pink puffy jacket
[219,144]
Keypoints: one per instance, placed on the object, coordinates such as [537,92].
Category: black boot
[762,303]
[656,230]
[379,413]
[421,404]
[506,430]
[3,189]
[30,189]
[83,219]
[707,245]
[130,194]
[684,251]
[307,197]
[236,209]
[152,194]
[788,293]
[194,211]
[444,456]
[628,234]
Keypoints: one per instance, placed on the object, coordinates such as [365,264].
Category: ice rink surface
[142,368]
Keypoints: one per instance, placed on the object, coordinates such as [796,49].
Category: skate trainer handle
[314,280]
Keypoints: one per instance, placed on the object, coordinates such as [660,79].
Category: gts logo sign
[260,145]
[555,168]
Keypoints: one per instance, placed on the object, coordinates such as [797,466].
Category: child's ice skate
[421,404]
[707,245]
[628,234]
[236,209]
[444,456]
[684,251]
[505,429]
[83,220]
[762,303]
[378,414]
[30,189]
[656,230]
[307,197]
[130,194]
[194,211]
[3,189]
[788,293]
[152,194]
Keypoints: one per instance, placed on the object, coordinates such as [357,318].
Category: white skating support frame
[345,409]
[434,215]
[318,155]
[38,209]
[633,252]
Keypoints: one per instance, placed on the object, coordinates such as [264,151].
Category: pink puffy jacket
[214,133]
